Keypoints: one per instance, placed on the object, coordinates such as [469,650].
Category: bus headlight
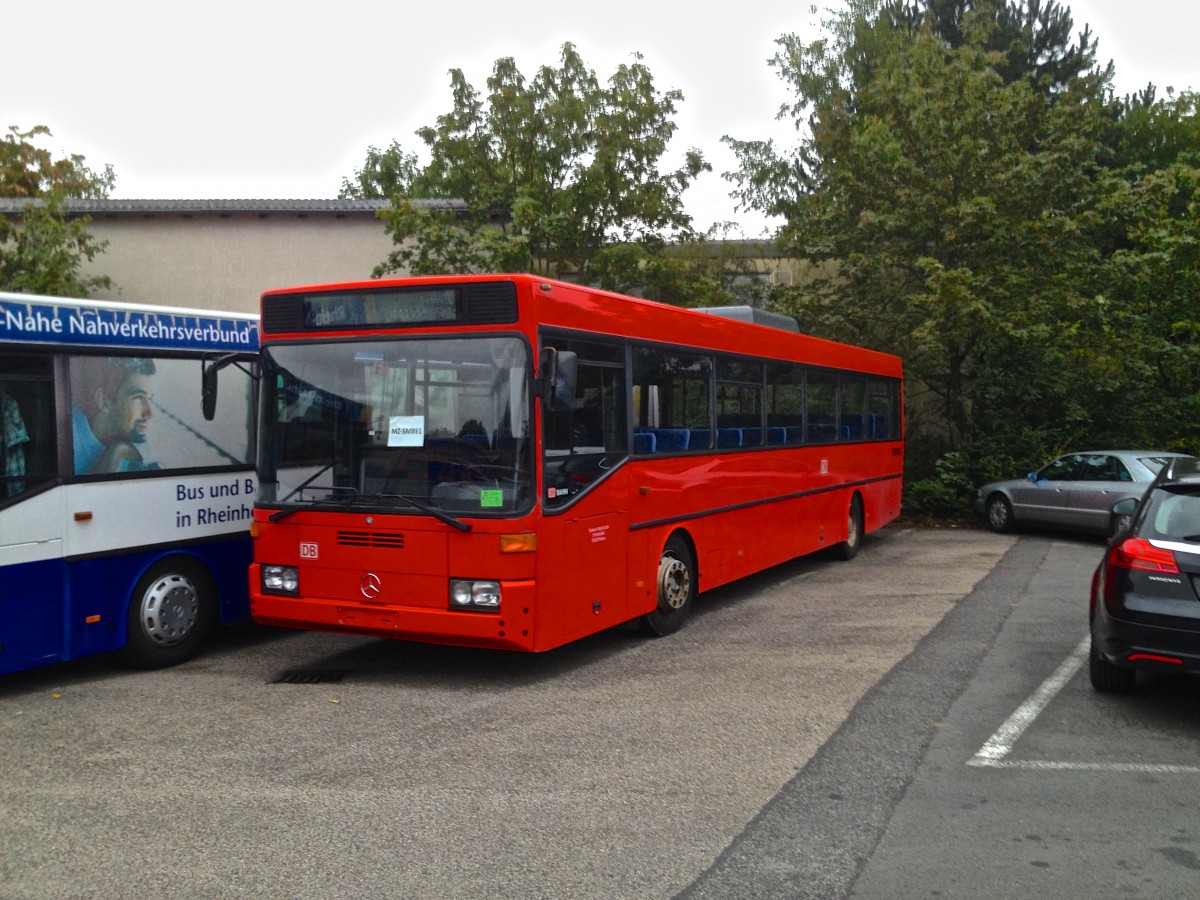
[281,579]
[482,596]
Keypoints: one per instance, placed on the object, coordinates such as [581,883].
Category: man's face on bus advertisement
[128,413]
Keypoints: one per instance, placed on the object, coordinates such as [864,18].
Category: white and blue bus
[124,513]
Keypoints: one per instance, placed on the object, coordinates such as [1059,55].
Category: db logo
[308,551]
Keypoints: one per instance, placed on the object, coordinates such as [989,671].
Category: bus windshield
[402,425]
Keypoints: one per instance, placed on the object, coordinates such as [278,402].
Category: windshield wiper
[354,498]
[284,513]
[307,481]
[432,510]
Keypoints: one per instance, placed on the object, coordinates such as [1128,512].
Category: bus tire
[171,612]
[675,585]
[848,549]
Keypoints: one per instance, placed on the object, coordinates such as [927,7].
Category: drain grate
[312,676]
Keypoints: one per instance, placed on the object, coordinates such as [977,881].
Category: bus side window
[672,398]
[27,455]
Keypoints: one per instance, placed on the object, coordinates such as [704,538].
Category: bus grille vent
[490,303]
[282,314]
[384,540]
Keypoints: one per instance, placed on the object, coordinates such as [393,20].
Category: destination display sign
[93,324]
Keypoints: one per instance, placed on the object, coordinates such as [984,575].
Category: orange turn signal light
[518,543]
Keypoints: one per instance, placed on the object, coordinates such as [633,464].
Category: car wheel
[676,585]
[1106,677]
[848,549]
[170,613]
[999,514]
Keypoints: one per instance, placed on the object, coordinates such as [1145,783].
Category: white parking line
[1049,766]
[992,754]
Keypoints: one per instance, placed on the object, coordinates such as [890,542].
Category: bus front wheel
[676,587]
[170,614]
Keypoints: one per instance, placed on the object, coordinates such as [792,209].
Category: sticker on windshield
[491,498]
[406,431]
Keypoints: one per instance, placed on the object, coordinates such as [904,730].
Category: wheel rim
[674,583]
[170,609]
[852,530]
[998,514]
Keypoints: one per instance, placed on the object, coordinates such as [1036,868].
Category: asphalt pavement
[776,747]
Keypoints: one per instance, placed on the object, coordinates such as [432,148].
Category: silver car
[1075,491]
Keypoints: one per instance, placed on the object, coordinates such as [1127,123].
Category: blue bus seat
[729,437]
[668,439]
[853,426]
[644,442]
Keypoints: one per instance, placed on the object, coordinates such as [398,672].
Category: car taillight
[1140,554]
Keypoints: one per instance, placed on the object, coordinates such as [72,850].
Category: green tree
[559,175]
[1031,39]
[960,206]
[1152,133]
[386,174]
[42,249]
[1147,329]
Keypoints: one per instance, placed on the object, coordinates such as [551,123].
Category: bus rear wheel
[170,613]
[848,549]
[676,587]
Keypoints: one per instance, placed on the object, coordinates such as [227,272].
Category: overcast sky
[278,100]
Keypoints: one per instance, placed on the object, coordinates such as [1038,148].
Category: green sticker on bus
[491,498]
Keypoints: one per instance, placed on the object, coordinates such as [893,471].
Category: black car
[1145,604]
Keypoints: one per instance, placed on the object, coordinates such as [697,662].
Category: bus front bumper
[511,628]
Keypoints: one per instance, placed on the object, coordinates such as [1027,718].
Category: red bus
[506,461]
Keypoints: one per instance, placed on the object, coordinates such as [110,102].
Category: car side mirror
[1126,506]
[1121,515]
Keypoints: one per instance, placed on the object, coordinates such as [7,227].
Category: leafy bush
[946,494]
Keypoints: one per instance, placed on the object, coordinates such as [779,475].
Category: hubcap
[998,514]
[170,609]
[674,583]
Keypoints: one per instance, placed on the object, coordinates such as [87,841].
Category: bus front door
[582,571]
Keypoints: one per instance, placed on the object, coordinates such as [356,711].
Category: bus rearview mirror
[209,367]
[208,391]
[559,375]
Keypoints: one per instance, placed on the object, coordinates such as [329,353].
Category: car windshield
[401,425]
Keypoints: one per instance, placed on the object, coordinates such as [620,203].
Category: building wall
[222,254]
[226,260]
